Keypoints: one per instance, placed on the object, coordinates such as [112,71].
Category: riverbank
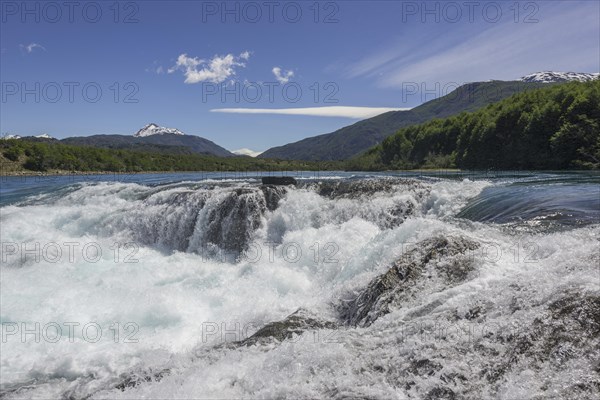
[216,173]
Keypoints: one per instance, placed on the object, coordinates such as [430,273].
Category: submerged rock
[295,324]
[213,221]
[567,331]
[134,379]
[440,393]
[230,222]
[387,202]
[166,219]
[356,188]
[273,194]
[399,281]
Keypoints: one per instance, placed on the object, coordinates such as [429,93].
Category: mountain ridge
[554,127]
[153,137]
[354,139]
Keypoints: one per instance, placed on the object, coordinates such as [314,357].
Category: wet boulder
[447,257]
[364,187]
[273,194]
[134,379]
[294,324]
[229,224]
[564,333]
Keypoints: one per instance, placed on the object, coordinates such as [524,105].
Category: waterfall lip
[221,219]
[350,188]
[216,219]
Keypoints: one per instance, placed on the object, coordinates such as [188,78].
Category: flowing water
[349,285]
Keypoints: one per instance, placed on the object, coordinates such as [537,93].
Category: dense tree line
[552,128]
[55,156]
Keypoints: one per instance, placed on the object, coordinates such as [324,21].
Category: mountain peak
[155,129]
[8,136]
[552,76]
[246,152]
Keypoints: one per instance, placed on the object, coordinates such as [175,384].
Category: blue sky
[196,66]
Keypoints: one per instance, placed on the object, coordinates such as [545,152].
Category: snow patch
[154,129]
[550,76]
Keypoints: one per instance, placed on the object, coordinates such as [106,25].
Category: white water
[172,296]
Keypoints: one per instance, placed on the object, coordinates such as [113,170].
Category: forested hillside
[557,127]
[353,140]
[25,155]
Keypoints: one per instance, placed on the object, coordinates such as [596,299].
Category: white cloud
[32,46]
[216,70]
[282,76]
[334,111]
[246,152]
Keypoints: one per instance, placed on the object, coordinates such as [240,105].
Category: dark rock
[582,309]
[213,221]
[356,188]
[231,223]
[278,180]
[173,223]
[134,379]
[424,367]
[473,313]
[440,393]
[295,324]
[273,194]
[399,280]
[397,210]
[569,329]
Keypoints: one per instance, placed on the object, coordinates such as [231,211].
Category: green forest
[19,155]
[552,128]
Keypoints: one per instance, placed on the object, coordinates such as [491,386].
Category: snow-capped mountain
[246,152]
[8,136]
[550,76]
[42,136]
[153,138]
[153,129]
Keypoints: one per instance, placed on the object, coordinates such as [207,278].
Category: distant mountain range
[153,137]
[342,144]
[42,136]
[353,140]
